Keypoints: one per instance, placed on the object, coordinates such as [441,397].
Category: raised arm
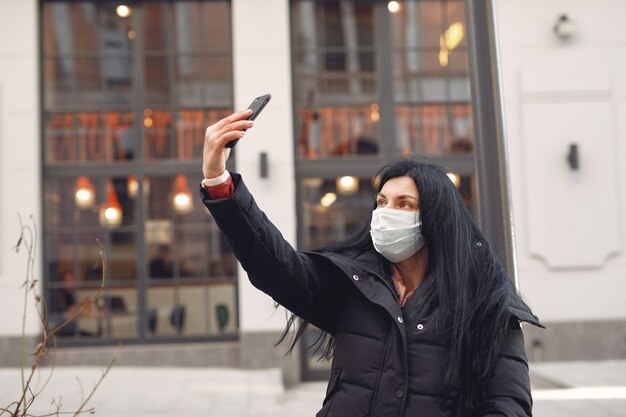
[303,284]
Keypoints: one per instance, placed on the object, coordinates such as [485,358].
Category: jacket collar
[520,310]
[370,260]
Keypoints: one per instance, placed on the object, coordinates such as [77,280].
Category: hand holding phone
[256,106]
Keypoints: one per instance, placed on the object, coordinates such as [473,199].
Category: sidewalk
[579,389]
[573,389]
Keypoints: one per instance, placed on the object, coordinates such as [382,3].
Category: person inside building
[420,316]
[161,265]
[65,309]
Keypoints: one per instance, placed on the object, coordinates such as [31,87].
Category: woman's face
[399,193]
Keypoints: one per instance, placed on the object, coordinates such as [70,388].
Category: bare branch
[93,390]
[28,241]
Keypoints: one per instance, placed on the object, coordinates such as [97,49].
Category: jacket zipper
[404,336]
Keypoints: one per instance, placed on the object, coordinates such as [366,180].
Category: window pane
[82,202]
[191,310]
[186,26]
[335,81]
[122,256]
[182,240]
[460,89]
[418,23]
[431,73]
[81,138]
[110,313]
[76,289]
[458,63]
[99,110]
[77,255]
[330,212]
[420,62]
[84,26]
[190,81]
[455,13]
[72,83]
[174,199]
[435,129]
[178,135]
[337,131]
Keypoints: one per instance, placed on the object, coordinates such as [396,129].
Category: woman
[421,316]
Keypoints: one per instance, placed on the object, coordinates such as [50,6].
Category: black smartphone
[256,106]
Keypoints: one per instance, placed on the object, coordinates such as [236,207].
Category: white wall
[570,225]
[19,153]
[262,64]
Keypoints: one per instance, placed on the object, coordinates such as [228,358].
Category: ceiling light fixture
[123,11]
[182,201]
[85,195]
[111,210]
[393,6]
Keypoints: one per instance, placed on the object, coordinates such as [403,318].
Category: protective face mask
[396,234]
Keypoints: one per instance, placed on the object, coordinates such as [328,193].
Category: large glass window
[374,81]
[127,94]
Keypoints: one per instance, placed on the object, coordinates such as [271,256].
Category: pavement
[572,389]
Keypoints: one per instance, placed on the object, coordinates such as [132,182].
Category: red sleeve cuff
[223,190]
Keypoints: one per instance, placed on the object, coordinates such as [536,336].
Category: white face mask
[396,234]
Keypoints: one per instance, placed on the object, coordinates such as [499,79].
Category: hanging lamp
[182,201]
[85,194]
[111,210]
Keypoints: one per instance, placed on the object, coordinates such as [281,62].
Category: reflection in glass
[189,80]
[182,26]
[84,26]
[430,67]
[334,65]
[418,23]
[74,81]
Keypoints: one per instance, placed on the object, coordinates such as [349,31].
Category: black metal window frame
[491,205]
[140,168]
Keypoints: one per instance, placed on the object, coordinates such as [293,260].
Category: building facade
[564,86]
[103,108]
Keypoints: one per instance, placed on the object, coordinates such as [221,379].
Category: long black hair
[471,288]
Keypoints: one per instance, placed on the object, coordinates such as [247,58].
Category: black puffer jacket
[388,360]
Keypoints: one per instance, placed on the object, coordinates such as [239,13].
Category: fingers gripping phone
[256,106]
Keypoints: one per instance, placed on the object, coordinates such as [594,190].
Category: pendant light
[132,186]
[85,195]
[347,185]
[111,210]
[182,201]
